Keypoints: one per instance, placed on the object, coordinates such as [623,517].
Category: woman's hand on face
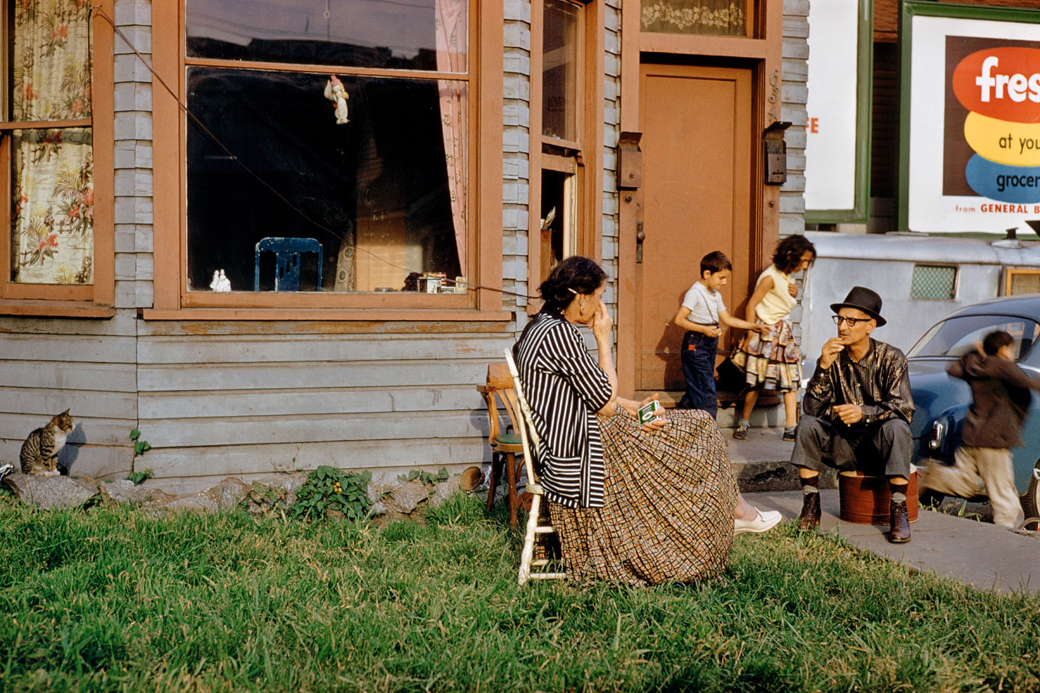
[601,322]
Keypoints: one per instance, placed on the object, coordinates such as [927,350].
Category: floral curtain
[452,27]
[724,17]
[53,169]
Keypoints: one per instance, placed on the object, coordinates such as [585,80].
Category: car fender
[941,435]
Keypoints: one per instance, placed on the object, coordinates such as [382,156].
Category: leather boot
[899,532]
[809,518]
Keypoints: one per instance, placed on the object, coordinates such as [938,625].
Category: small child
[771,359]
[701,313]
[1000,394]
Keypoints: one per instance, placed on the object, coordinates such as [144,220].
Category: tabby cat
[40,450]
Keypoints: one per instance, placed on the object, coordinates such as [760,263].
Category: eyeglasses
[851,322]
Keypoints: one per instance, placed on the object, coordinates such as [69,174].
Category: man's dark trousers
[884,448]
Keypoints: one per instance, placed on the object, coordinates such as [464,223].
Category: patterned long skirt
[668,508]
[771,360]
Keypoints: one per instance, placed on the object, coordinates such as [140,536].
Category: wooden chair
[529,438]
[504,446]
[287,253]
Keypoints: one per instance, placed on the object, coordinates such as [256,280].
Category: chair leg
[496,468]
[528,552]
[511,491]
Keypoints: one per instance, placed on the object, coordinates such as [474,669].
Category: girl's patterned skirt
[668,505]
[770,359]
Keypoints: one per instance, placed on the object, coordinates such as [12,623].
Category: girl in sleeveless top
[771,359]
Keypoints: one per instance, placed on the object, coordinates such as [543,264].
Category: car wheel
[1031,501]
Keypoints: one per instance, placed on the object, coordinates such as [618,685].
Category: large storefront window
[340,123]
[48,144]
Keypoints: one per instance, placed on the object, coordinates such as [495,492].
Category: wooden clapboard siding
[188,405]
[46,402]
[69,376]
[86,366]
[218,400]
[94,461]
[15,426]
[298,348]
[124,323]
[64,348]
[291,376]
[187,463]
[318,428]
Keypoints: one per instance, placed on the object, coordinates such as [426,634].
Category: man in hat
[857,411]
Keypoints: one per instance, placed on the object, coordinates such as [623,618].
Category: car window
[959,335]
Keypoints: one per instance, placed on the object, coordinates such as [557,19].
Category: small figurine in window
[337,93]
[220,282]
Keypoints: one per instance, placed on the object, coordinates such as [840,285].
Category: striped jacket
[564,387]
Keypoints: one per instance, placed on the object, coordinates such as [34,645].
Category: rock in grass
[445,490]
[51,492]
[228,493]
[126,491]
[285,485]
[197,503]
[406,497]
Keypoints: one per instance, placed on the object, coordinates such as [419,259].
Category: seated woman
[638,505]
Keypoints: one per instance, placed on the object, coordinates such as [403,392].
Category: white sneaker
[763,522]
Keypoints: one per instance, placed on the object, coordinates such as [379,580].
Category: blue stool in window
[287,253]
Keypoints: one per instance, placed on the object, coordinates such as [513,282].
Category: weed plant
[117,599]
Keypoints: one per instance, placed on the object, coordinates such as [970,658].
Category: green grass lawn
[117,599]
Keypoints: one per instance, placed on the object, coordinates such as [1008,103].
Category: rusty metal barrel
[866,500]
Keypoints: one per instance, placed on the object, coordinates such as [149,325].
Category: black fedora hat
[862,298]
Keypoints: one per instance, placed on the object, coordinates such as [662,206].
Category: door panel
[695,198]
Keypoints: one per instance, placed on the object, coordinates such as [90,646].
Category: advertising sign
[831,150]
[973,151]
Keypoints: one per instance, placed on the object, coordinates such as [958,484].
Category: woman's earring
[581,306]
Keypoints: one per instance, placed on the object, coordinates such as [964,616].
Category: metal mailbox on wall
[774,152]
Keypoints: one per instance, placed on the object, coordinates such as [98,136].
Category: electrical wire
[97,9]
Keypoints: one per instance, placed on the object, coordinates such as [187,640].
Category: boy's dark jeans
[698,366]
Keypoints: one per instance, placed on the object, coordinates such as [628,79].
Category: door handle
[640,237]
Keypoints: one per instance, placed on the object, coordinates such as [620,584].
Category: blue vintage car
[942,401]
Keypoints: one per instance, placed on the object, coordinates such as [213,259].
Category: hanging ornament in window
[337,94]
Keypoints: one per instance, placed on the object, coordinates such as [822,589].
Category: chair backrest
[499,390]
[287,261]
[528,434]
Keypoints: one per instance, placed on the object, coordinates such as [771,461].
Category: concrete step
[763,461]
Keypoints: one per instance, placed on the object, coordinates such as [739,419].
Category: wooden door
[696,197]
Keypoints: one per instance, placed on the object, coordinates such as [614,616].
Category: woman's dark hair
[996,340]
[789,253]
[575,275]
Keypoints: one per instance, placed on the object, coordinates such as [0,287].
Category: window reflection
[560,45]
[380,182]
[957,336]
[399,34]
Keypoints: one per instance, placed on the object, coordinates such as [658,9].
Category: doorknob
[640,237]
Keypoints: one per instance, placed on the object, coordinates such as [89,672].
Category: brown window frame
[586,153]
[172,300]
[96,300]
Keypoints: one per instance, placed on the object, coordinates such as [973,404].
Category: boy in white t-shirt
[702,314]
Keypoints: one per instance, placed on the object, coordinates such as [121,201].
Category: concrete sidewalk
[980,554]
[762,462]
